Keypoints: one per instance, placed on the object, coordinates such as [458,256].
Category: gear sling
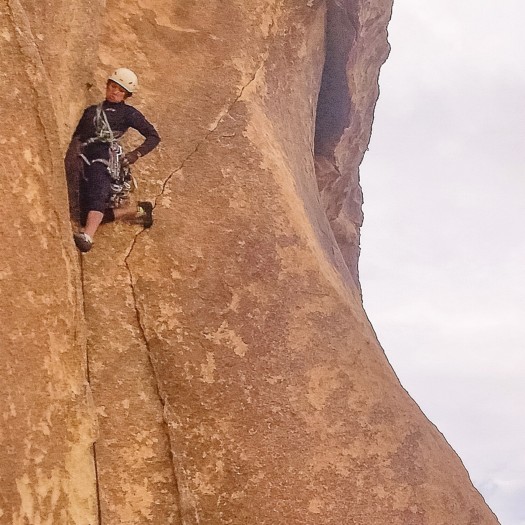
[122,182]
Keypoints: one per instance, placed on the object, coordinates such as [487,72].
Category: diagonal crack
[138,315]
[163,400]
[140,322]
[211,129]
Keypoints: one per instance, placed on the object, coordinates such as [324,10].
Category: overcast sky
[443,243]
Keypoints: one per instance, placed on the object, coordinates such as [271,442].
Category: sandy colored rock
[218,368]
[48,425]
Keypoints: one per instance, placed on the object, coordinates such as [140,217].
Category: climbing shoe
[145,213]
[83,241]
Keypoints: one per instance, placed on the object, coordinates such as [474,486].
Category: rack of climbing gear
[122,182]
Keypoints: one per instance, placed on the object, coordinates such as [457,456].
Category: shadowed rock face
[218,368]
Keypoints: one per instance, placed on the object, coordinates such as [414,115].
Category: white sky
[443,243]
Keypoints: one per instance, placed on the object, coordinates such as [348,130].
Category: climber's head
[115,92]
[121,85]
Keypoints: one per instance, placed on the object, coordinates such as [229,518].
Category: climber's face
[114,92]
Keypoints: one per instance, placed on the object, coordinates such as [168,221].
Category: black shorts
[95,192]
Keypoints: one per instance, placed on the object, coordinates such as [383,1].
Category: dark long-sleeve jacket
[120,117]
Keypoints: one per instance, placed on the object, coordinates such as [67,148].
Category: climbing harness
[122,182]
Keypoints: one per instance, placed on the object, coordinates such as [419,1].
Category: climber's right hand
[130,158]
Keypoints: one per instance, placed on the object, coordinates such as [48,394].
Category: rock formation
[218,368]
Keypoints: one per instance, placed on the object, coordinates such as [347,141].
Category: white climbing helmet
[125,78]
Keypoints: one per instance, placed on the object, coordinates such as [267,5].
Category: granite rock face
[218,368]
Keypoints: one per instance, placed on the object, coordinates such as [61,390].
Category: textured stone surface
[218,368]
[47,429]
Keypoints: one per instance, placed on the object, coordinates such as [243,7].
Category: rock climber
[98,131]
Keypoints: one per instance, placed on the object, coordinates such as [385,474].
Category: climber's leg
[143,213]
[95,192]
[94,219]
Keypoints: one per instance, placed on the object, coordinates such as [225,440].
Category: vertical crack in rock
[88,378]
[97,485]
[46,117]
[162,399]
